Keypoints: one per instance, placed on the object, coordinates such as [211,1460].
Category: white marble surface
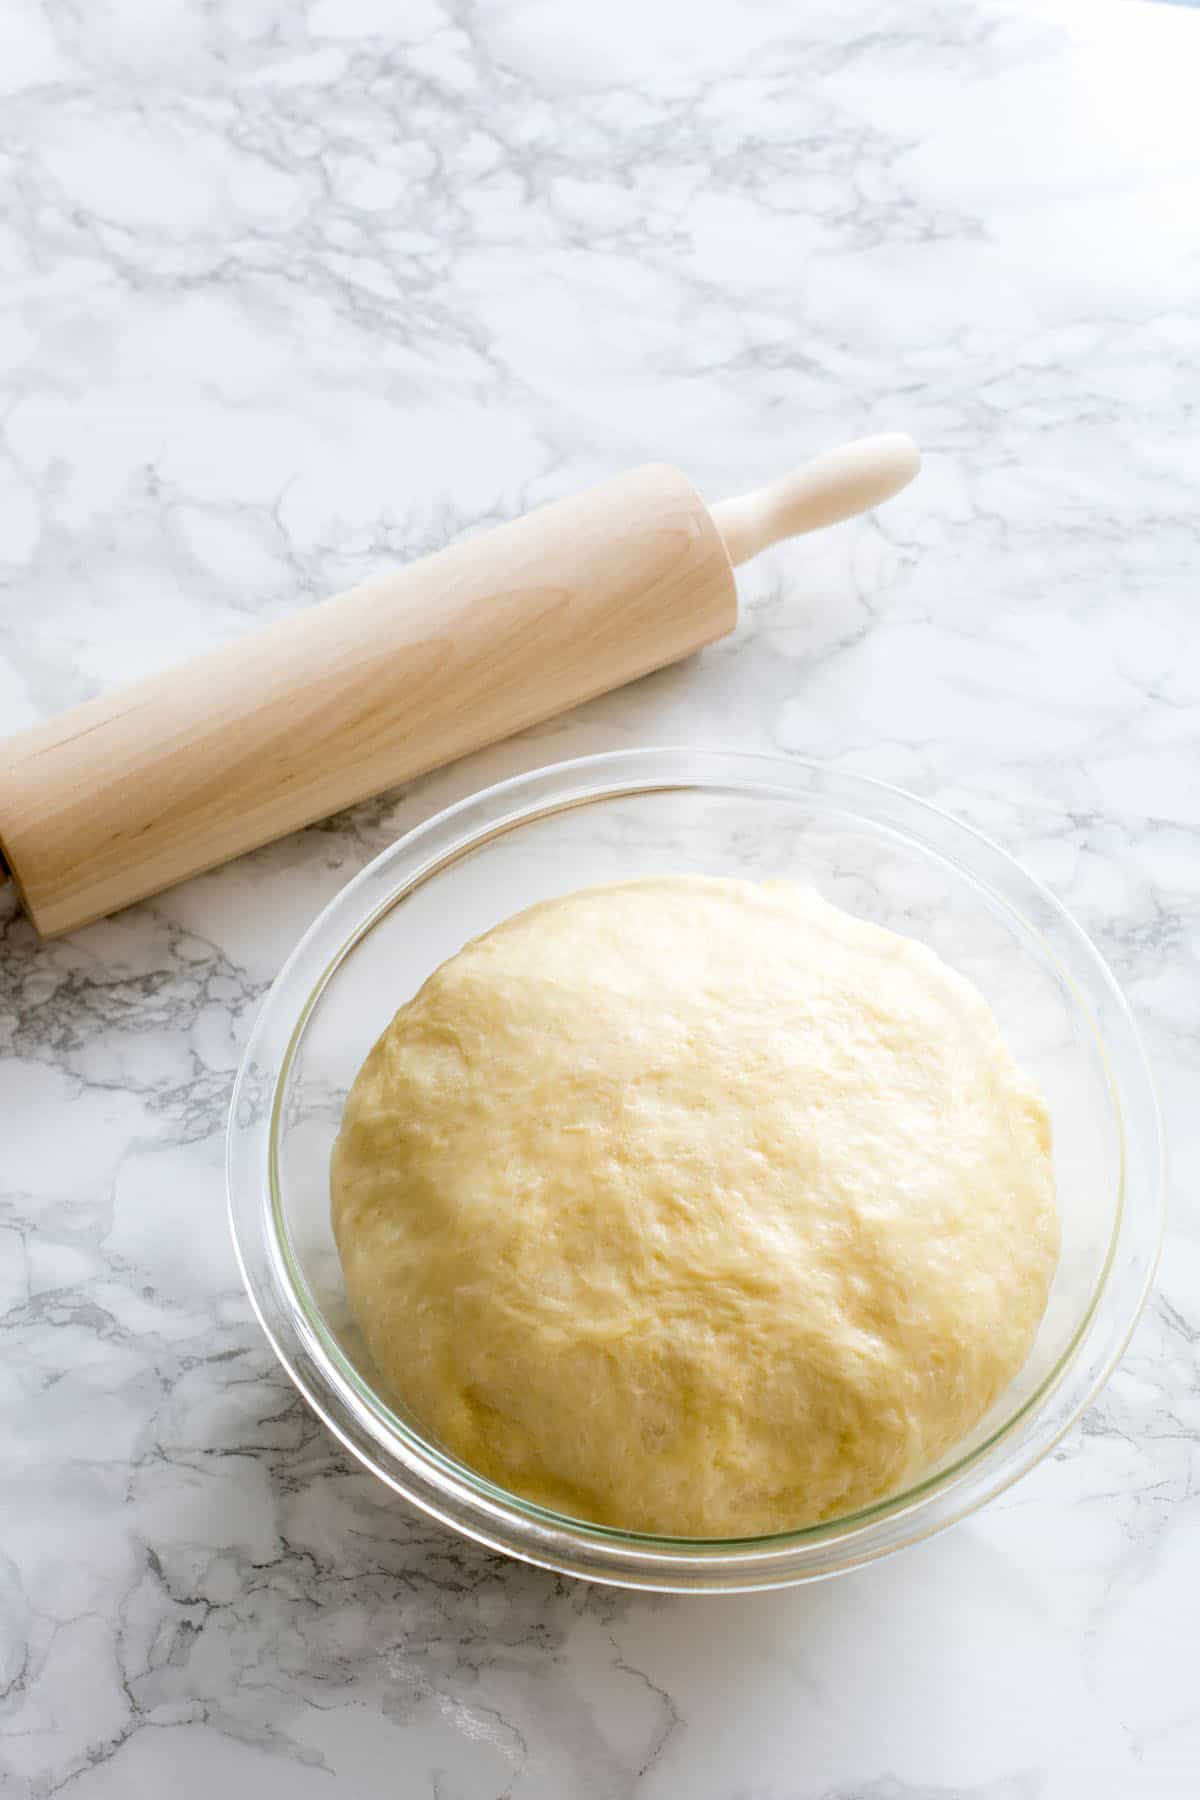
[291,292]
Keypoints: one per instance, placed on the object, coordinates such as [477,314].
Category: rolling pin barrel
[145,786]
[155,782]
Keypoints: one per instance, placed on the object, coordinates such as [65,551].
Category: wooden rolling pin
[158,781]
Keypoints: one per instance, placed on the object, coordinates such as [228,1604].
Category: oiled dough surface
[695,1206]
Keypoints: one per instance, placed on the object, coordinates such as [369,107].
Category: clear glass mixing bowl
[867,847]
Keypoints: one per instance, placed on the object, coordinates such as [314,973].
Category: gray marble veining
[293,292]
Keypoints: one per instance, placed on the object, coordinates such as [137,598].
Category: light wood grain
[150,784]
[832,487]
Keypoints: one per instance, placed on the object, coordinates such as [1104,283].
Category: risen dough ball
[695,1207]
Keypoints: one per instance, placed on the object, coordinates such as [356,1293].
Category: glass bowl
[876,852]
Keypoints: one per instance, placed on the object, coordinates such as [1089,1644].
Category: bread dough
[695,1207]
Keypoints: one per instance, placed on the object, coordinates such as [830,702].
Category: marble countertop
[293,292]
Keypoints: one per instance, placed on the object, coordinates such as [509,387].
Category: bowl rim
[466,1501]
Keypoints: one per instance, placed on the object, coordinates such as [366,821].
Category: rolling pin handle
[831,487]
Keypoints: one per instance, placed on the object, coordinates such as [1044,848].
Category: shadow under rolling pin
[155,782]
